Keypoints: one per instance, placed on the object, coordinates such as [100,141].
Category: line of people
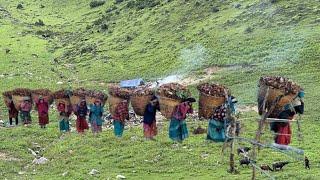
[178,130]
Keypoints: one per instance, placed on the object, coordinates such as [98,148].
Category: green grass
[175,37]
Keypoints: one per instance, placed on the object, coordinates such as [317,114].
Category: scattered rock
[33,152]
[238,5]
[41,160]
[65,173]
[120,177]
[21,172]
[93,172]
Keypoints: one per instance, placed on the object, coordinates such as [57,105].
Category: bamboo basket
[167,106]
[139,103]
[48,98]
[6,100]
[273,94]
[113,103]
[75,100]
[91,100]
[207,104]
[17,100]
[65,101]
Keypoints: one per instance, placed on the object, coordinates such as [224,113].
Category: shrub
[96,3]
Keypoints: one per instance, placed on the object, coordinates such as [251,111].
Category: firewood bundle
[216,90]
[61,94]
[174,91]
[7,94]
[21,92]
[143,91]
[80,92]
[278,82]
[97,94]
[42,92]
[117,91]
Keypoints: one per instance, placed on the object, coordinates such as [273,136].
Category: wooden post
[264,116]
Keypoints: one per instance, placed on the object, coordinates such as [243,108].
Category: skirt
[43,120]
[178,130]
[95,128]
[216,131]
[81,124]
[64,125]
[150,130]
[118,128]
[25,117]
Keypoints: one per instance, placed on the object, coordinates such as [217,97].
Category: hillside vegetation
[59,44]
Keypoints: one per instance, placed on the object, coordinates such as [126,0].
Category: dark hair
[154,98]
[190,99]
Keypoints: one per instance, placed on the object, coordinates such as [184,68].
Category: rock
[21,172]
[93,172]
[120,177]
[238,5]
[39,161]
[65,173]
[59,82]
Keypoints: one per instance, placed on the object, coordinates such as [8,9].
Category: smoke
[191,59]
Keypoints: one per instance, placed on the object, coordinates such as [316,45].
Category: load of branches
[97,94]
[81,92]
[282,83]
[174,91]
[7,94]
[61,94]
[21,92]
[117,91]
[216,90]
[42,92]
[143,91]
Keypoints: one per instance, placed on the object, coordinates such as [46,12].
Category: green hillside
[57,44]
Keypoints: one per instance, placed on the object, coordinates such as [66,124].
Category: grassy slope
[284,41]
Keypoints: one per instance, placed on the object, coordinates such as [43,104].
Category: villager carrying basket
[276,86]
[19,95]
[139,103]
[65,101]
[274,93]
[208,103]
[167,106]
[113,103]
[45,93]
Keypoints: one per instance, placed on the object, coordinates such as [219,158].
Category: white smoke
[191,58]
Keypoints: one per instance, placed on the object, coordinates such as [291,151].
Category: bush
[142,4]
[39,23]
[97,3]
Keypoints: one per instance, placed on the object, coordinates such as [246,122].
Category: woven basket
[207,104]
[48,98]
[6,101]
[91,100]
[113,103]
[75,100]
[273,94]
[65,101]
[139,103]
[167,106]
[17,100]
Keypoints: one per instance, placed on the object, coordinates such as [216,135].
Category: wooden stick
[264,116]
